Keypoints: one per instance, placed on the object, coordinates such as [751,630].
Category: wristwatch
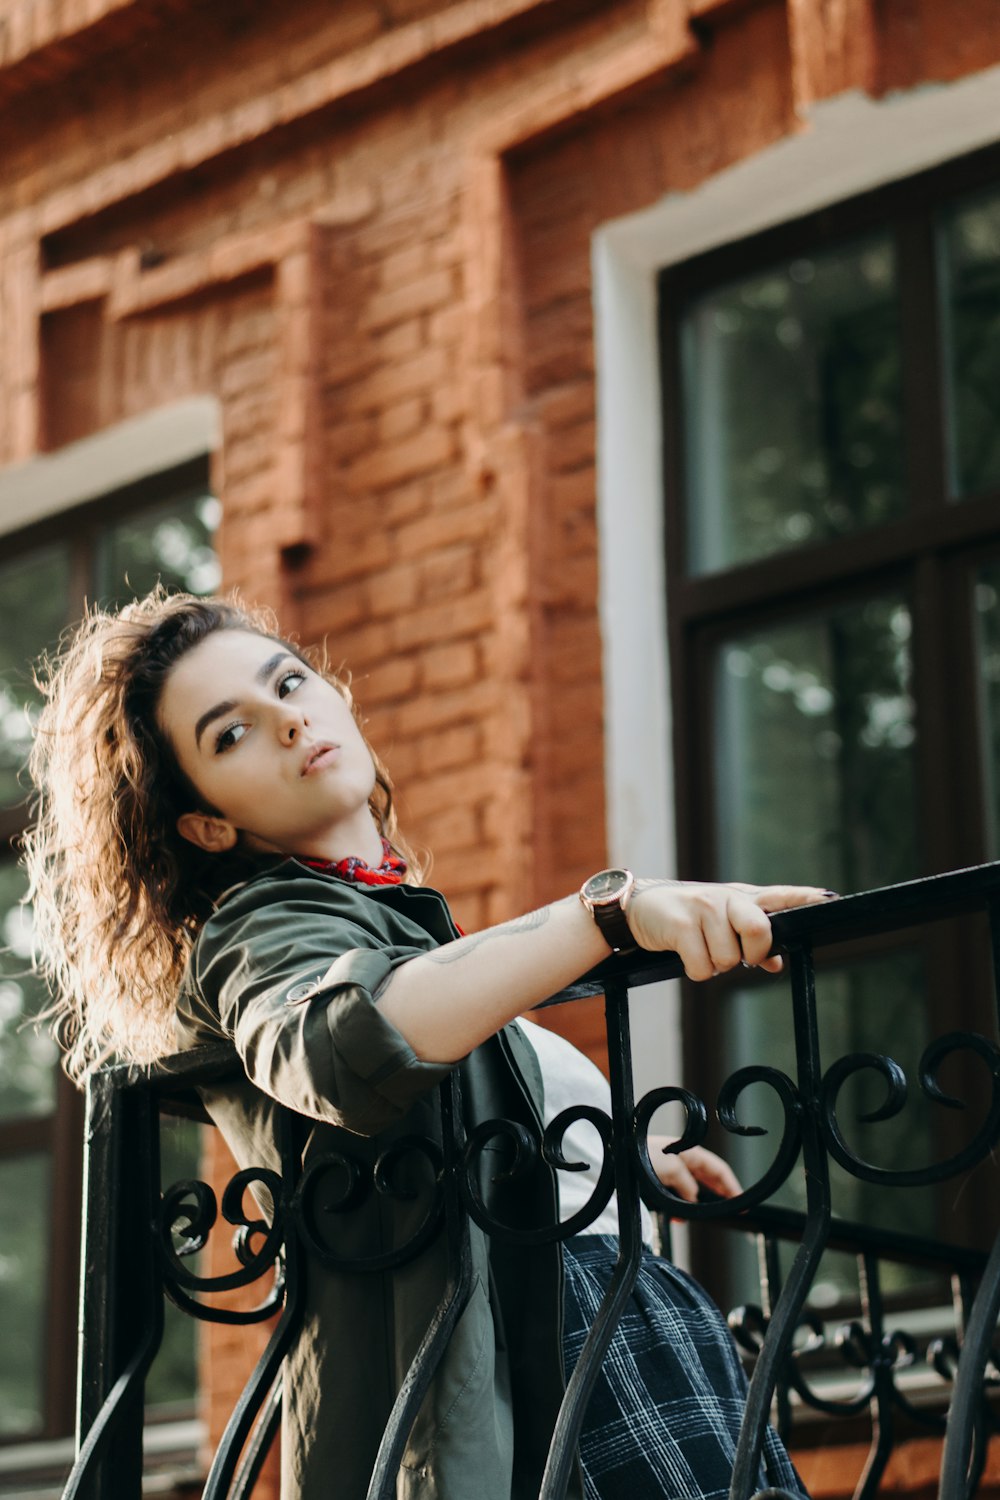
[606,896]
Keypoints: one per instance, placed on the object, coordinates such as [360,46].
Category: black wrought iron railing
[138,1239]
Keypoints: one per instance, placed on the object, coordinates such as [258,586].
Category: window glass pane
[27,1057]
[170,542]
[986,596]
[793,406]
[34,603]
[172,1379]
[970,250]
[24,1196]
[878,1005]
[814,750]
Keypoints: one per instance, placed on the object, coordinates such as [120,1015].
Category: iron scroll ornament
[660,1198]
[895,1099]
[190,1208]
[335,1184]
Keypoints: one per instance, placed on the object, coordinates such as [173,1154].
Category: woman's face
[271,747]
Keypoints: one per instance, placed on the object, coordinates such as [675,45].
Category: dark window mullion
[866,554]
[64,1259]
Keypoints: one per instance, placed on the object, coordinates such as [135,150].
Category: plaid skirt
[664,1417]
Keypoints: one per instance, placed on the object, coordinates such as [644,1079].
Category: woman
[216,855]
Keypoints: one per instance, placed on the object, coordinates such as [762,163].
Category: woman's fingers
[686,1171]
[750,924]
[675,1175]
[714,927]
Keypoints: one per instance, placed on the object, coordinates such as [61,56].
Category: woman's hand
[713,927]
[687,1171]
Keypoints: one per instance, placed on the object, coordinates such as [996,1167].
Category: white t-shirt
[570,1078]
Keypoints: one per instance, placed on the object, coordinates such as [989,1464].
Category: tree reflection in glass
[24,1182]
[793,406]
[33,606]
[27,1056]
[814,749]
[170,543]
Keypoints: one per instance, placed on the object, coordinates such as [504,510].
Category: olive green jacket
[287,968]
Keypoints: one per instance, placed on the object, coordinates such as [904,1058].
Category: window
[110,549]
[832,421]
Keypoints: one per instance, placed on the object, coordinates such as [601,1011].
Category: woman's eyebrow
[263,672]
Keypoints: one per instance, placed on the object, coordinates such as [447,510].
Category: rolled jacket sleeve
[289,969]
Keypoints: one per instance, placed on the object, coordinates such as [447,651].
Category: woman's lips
[319,758]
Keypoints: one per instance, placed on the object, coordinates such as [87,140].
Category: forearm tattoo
[452,952]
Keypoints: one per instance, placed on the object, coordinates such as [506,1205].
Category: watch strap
[613,924]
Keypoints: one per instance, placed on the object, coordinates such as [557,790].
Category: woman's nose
[290,725]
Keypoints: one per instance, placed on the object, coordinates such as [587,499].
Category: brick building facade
[397,246]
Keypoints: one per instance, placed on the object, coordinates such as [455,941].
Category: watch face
[606,885]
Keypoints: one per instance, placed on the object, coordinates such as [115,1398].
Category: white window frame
[125,454]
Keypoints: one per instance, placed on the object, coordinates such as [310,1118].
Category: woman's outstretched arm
[445,1003]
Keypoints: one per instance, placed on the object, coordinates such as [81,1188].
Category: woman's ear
[214,835]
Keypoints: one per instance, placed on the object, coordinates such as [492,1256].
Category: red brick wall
[366,229]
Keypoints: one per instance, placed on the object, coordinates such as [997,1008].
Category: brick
[399,341]
[565,405]
[450,403]
[404,502]
[344,441]
[573,582]
[447,326]
[404,266]
[392,679]
[248,372]
[340,608]
[394,590]
[386,466]
[362,646]
[459,618]
[457,828]
[458,746]
[467,523]
[428,795]
[393,381]
[574,491]
[352,554]
[448,666]
[572,448]
[419,295]
[345,361]
[451,488]
[574,648]
[432,711]
[400,420]
[577,534]
[452,572]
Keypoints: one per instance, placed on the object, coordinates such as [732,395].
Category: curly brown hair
[119,896]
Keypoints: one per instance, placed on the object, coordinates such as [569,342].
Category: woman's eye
[290,682]
[229,737]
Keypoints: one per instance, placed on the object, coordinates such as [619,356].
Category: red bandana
[392,870]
